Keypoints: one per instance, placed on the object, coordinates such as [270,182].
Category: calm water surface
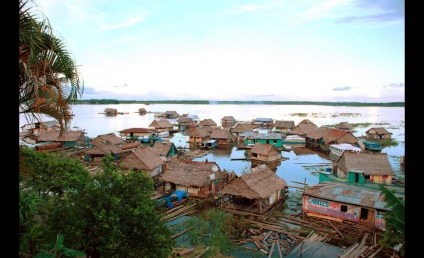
[297,168]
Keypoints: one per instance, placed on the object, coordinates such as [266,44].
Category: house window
[343,208]
[367,177]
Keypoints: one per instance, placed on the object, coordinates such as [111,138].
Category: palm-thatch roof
[201,132]
[163,148]
[328,135]
[53,136]
[304,129]
[107,138]
[142,158]
[344,126]
[103,149]
[130,145]
[207,122]
[284,124]
[221,134]
[263,149]
[190,173]
[378,130]
[370,163]
[259,183]
[241,128]
[162,123]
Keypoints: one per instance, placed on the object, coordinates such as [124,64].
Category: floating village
[346,208]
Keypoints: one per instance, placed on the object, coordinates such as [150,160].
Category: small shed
[199,179]
[254,192]
[111,111]
[199,134]
[378,133]
[109,138]
[161,125]
[142,111]
[207,123]
[264,153]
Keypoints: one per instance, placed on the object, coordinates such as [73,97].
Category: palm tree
[49,81]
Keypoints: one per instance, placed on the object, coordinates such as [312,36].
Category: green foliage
[47,174]
[58,249]
[213,228]
[113,215]
[395,220]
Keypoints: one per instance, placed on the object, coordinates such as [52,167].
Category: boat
[208,144]
[372,146]
[336,150]
[294,140]
[173,199]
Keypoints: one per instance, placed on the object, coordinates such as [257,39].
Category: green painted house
[275,139]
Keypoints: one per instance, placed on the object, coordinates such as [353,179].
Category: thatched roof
[228,119]
[172,113]
[162,123]
[162,148]
[328,135]
[53,136]
[370,163]
[241,128]
[263,149]
[379,130]
[199,132]
[142,158]
[130,145]
[137,130]
[185,119]
[304,129]
[259,183]
[189,173]
[284,124]
[345,193]
[302,151]
[107,138]
[306,121]
[344,126]
[103,149]
[111,110]
[207,122]
[142,110]
[221,134]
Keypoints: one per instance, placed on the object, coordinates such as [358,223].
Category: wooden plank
[323,217]
[336,229]
[182,233]
[203,252]
[349,250]
[272,250]
[376,252]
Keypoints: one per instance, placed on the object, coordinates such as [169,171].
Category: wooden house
[228,121]
[378,133]
[207,123]
[275,139]
[170,115]
[199,134]
[255,192]
[68,139]
[161,125]
[321,138]
[143,159]
[165,150]
[373,167]
[264,153]
[342,202]
[304,128]
[194,118]
[98,151]
[37,127]
[142,111]
[135,132]
[111,111]
[344,126]
[184,123]
[223,137]
[284,126]
[198,179]
[109,138]
[264,121]
[239,129]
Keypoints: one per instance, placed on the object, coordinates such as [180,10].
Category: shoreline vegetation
[235,102]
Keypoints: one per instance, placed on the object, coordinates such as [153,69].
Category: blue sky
[281,50]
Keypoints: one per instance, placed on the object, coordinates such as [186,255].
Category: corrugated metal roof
[348,194]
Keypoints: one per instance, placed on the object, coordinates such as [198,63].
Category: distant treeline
[249,102]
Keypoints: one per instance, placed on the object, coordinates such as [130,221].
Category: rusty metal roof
[348,194]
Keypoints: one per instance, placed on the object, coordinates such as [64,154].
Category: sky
[268,50]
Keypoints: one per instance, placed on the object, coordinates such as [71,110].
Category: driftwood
[182,233]
[203,252]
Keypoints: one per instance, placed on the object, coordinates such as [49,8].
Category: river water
[294,168]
